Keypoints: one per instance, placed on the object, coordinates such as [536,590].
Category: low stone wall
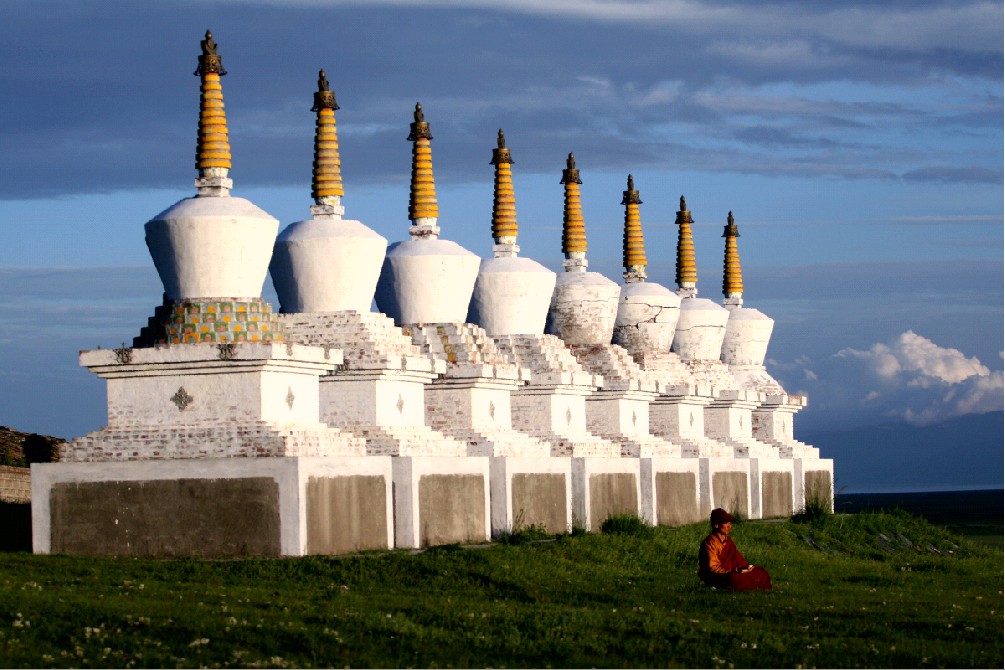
[15,485]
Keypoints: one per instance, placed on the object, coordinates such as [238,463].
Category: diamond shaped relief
[492,409]
[182,399]
[568,415]
[290,397]
[400,404]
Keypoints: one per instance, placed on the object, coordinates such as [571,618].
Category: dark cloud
[104,98]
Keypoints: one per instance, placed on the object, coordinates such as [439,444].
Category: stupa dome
[584,304]
[512,294]
[211,245]
[425,279]
[326,263]
[647,312]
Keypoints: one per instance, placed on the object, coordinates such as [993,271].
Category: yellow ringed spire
[212,153]
[732,273]
[326,187]
[573,228]
[504,225]
[422,206]
[634,245]
[687,273]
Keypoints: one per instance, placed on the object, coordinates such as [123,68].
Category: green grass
[864,590]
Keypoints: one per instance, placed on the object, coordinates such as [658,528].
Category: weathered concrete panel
[676,502]
[541,500]
[610,494]
[818,487]
[346,514]
[171,517]
[451,509]
[776,494]
[730,490]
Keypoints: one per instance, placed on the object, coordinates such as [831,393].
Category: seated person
[720,563]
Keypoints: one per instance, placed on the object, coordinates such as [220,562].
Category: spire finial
[570,173]
[326,186]
[324,97]
[631,195]
[209,60]
[504,225]
[212,152]
[419,127]
[573,228]
[501,153]
[422,206]
[687,273]
[634,246]
[732,274]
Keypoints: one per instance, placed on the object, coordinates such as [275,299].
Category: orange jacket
[718,556]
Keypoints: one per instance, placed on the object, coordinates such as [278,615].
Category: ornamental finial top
[683,215]
[209,60]
[631,196]
[501,154]
[570,175]
[730,229]
[419,127]
[324,97]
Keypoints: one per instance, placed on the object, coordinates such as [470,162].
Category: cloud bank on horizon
[924,383]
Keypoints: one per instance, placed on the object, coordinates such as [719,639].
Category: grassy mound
[877,590]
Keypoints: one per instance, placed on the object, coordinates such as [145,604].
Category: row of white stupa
[605,387]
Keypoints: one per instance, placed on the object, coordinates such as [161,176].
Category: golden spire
[634,245]
[732,275]
[327,181]
[212,154]
[422,200]
[687,274]
[573,228]
[504,226]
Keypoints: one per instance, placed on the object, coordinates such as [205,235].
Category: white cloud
[925,382]
[922,362]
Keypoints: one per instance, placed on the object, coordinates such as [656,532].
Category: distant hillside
[21,449]
[962,453]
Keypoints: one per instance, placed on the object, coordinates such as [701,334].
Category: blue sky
[859,145]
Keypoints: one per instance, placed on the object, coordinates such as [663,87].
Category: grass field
[872,590]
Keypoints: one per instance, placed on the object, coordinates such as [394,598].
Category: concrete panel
[451,509]
[676,502]
[610,494]
[776,494]
[818,487]
[540,500]
[731,492]
[346,514]
[180,517]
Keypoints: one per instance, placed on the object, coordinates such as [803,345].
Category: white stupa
[647,312]
[748,330]
[425,279]
[512,294]
[326,263]
[702,323]
[584,305]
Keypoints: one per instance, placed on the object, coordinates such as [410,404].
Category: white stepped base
[501,443]
[211,440]
[408,441]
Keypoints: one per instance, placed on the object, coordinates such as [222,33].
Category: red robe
[720,562]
